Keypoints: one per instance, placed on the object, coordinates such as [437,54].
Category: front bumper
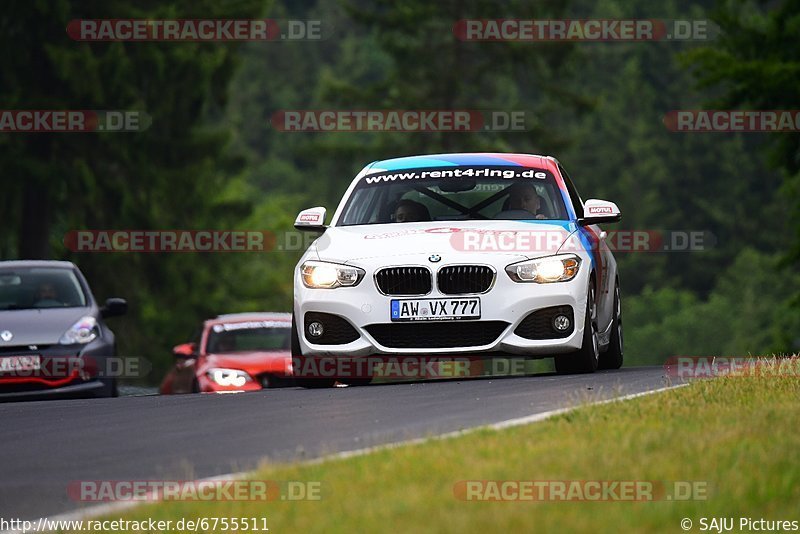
[206,385]
[75,389]
[507,302]
[66,371]
[272,373]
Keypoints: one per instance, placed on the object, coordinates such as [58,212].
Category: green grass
[739,435]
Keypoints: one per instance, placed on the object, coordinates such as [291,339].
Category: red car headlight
[229,377]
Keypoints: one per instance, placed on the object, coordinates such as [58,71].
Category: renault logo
[433,258]
[6,335]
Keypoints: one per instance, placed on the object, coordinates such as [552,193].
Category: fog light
[561,323]
[315,329]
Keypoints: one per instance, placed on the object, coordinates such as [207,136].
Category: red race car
[236,352]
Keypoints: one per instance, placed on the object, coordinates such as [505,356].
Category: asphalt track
[45,445]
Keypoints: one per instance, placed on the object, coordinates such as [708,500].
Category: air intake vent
[436,334]
[461,279]
[404,281]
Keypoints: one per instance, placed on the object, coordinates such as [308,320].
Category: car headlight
[229,377]
[545,270]
[324,275]
[82,332]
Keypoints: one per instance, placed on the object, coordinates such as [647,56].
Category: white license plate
[10,364]
[435,309]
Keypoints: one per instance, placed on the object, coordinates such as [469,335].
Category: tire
[274,381]
[109,389]
[308,383]
[314,383]
[612,358]
[585,359]
[360,381]
[295,344]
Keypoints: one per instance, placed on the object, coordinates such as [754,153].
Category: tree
[173,175]
[755,64]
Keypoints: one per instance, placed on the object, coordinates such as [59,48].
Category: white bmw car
[480,255]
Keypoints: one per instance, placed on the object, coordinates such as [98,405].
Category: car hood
[38,327]
[445,238]
[254,363]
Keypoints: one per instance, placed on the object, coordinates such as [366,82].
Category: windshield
[39,287]
[251,336]
[453,194]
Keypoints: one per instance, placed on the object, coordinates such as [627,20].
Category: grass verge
[737,435]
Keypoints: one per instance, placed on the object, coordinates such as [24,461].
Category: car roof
[463,159]
[37,263]
[249,316]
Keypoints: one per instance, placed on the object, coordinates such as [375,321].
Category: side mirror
[600,211]
[185,350]
[114,307]
[312,220]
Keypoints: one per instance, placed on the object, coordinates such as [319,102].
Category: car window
[575,198]
[222,340]
[39,287]
[465,193]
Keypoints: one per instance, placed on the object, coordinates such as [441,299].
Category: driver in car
[410,211]
[47,295]
[226,344]
[524,197]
